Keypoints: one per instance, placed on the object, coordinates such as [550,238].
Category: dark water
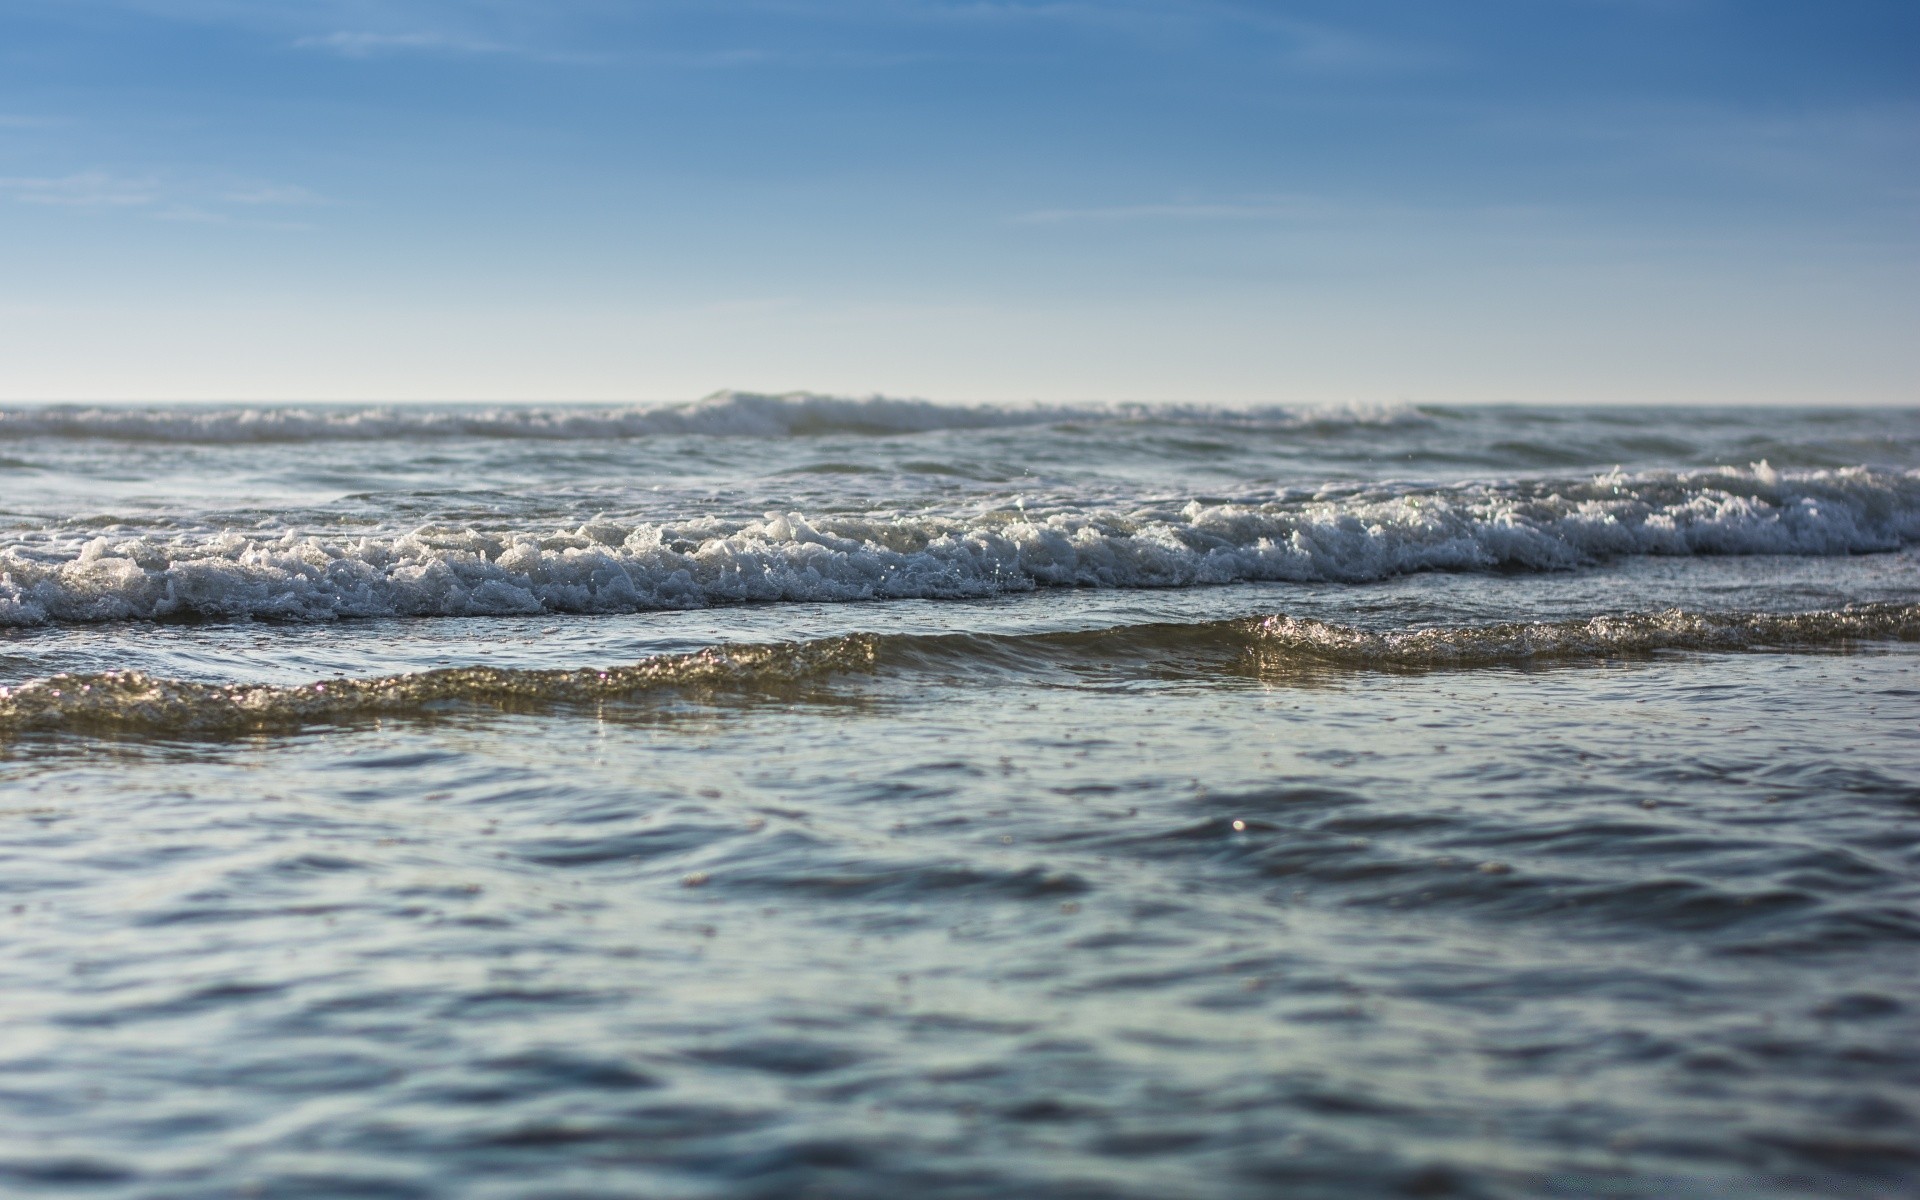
[1432,803]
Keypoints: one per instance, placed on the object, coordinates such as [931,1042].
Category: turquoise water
[1482,802]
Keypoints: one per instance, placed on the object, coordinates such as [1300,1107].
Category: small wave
[133,700]
[1278,645]
[735,414]
[605,567]
[1290,640]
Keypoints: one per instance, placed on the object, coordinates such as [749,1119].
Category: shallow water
[1260,833]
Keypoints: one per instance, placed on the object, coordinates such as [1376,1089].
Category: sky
[1216,201]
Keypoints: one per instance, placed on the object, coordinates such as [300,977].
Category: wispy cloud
[187,214]
[367,44]
[160,198]
[25,121]
[1323,48]
[83,189]
[273,193]
[541,30]
[1308,46]
[355,44]
[1283,208]
[1841,157]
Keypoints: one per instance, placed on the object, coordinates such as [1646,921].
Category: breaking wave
[738,414]
[129,701]
[602,567]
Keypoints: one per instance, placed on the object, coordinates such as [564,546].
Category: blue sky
[1370,201]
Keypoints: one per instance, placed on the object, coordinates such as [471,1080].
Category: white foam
[606,567]
[737,414]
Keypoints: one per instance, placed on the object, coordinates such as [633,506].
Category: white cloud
[1284,208]
[83,189]
[272,193]
[1307,46]
[208,202]
[187,214]
[1313,47]
[368,45]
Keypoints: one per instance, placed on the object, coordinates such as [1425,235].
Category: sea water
[798,796]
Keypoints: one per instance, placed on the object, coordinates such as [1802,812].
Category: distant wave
[610,568]
[738,414]
[129,701]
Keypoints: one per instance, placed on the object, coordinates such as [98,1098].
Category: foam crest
[1278,645]
[736,414]
[50,577]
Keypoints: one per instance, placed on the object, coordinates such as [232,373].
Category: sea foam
[607,567]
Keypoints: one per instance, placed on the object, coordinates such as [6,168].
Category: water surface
[794,796]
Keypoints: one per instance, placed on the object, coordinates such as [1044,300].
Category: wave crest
[604,567]
[134,700]
[1273,647]
[1286,641]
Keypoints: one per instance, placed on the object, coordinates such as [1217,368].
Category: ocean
[798,796]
